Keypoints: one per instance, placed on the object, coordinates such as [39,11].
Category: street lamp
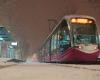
[14,43]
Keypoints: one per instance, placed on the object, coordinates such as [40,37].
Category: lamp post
[13,49]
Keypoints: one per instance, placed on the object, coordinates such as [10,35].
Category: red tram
[74,39]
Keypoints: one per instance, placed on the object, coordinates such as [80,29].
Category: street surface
[45,71]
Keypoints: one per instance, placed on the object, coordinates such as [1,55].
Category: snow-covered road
[43,71]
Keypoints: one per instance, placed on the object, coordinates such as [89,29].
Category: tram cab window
[64,41]
[64,38]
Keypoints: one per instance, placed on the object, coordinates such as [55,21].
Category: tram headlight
[80,47]
[99,57]
[95,47]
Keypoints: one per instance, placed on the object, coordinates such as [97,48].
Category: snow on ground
[43,71]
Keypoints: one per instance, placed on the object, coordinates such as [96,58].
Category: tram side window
[64,38]
[47,47]
[54,43]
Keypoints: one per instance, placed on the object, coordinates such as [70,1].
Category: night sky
[28,19]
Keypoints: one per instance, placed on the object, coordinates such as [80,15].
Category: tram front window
[84,33]
[84,39]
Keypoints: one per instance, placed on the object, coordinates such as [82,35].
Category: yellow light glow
[73,20]
[90,21]
[81,20]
